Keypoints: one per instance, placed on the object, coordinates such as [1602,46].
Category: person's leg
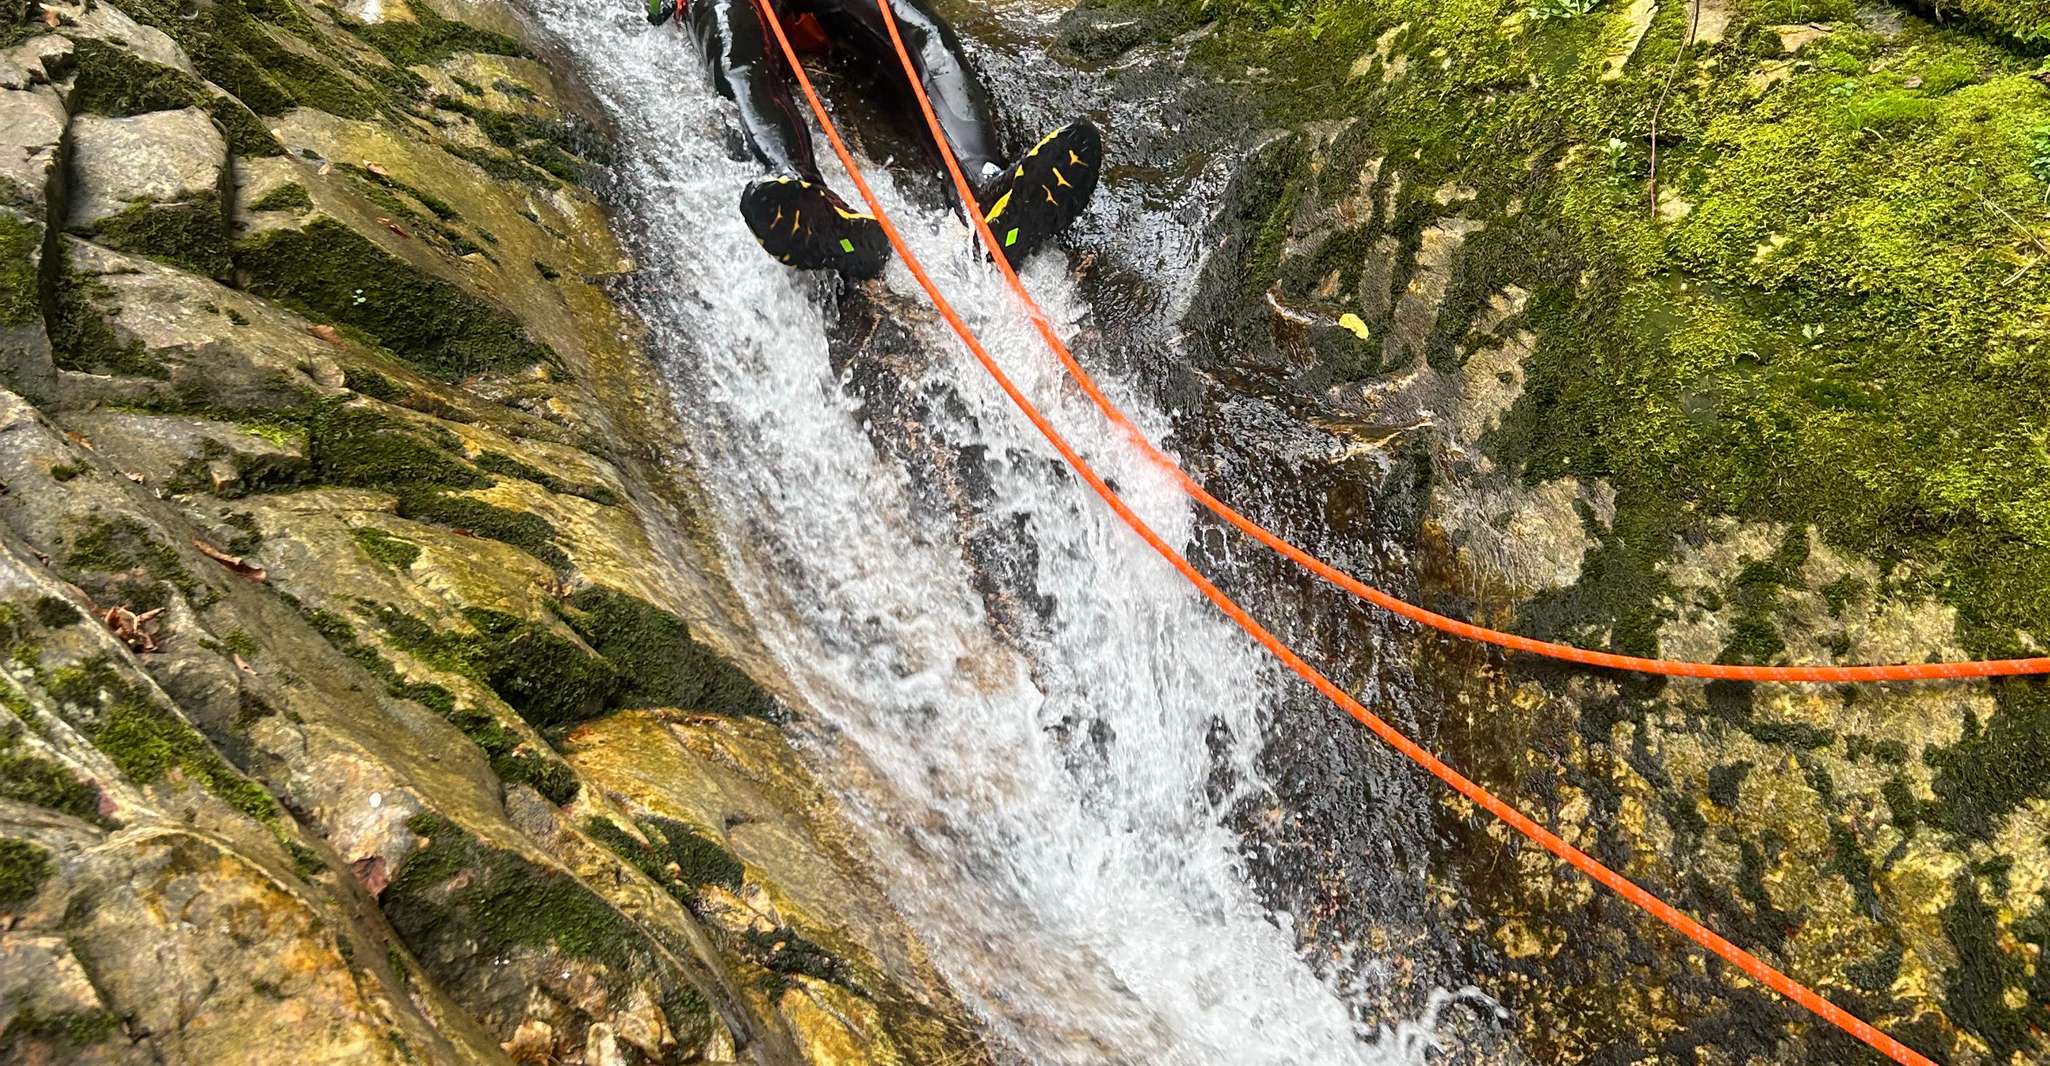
[958,97]
[746,68]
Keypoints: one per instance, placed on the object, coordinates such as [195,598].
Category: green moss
[559,147]
[116,82]
[291,196]
[55,612]
[430,39]
[372,384]
[81,339]
[39,781]
[514,760]
[192,235]
[387,549]
[528,532]
[782,951]
[328,270]
[676,857]
[351,445]
[240,47]
[63,472]
[548,273]
[147,740]
[461,905]
[506,465]
[21,242]
[23,869]
[665,666]
[124,544]
[72,1029]
[549,680]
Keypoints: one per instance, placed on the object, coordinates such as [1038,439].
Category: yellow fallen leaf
[1353,322]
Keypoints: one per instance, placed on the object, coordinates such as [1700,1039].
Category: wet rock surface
[1460,338]
[370,692]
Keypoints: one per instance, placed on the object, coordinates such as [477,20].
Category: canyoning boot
[808,226]
[1044,191]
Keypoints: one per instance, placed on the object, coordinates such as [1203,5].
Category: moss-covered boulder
[329,515]
[1696,330]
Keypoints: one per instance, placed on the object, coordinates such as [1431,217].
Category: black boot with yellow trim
[1044,191]
[807,226]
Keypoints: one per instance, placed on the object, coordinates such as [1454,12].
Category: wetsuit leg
[746,68]
[957,93]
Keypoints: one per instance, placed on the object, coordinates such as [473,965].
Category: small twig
[2011,220]
[1666,90]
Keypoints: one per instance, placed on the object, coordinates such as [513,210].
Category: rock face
[1756,398]
[368,693]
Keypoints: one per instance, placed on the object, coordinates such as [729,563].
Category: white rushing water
[1079,893]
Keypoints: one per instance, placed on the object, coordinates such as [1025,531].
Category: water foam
[1076,887]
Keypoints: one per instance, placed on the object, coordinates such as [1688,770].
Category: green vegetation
[329,271]
[116,82]
[342,635]
[514,760]
[193,235]
[63,472]
[460,905]
[512,757]
[429,39]
[392,551]
[55,612]
[147,740]
[125,545]
[550,680]
[291,196]
[528,532]
[33,779]
[676,857]
[559,147]
[23,869]
[20,241]
[81,339]
[359,445]
[664,665]
[506,465]
[238,45]
[71,1029]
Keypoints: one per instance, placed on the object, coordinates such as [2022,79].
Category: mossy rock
[23,869]
[116,82]
[21,243]
[666,666]
[469,911]
[328,270]
[191,234]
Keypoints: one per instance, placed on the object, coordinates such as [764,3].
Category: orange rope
[1387,601]
[1550,841]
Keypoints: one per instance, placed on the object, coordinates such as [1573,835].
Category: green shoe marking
[846,245]
[1011,238]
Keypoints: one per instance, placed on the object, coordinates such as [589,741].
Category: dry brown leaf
[132,476]
[138,631]
[243,664]
[395,228]
[233,562]
[51,18]
[325,332]
[376,169]
[79,439]
[326,168]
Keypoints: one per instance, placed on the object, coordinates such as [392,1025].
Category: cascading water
[1075,885]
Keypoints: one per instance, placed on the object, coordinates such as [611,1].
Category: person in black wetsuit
[793,213]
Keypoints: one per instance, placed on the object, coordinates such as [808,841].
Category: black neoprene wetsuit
[747,66]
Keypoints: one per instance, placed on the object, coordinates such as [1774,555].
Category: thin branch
[1666,90]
